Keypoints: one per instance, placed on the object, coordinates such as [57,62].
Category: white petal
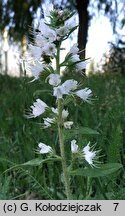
[48,122]
[44,148]
[69,85]
[41,103]
[35,52]
[81,65]
[49,49]
[70,23]
[86,148]
[37,70]
[40,40]
[62,31]
[54,79]
[68,124]
[84,94]
[37,108]
[58,92]
[74,49]
[75,58]
[47,32]
[47,8]
[89,156]
[54,110]
[65,114]
[42,27]
[74,146]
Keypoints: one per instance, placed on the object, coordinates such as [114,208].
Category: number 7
[116,205]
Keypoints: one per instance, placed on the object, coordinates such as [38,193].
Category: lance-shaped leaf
[39,161]
[77,131]
[103,170]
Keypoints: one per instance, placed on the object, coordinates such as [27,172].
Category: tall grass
[19,138]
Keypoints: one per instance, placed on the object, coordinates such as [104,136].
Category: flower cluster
[46,48]
[88,155]
[44,148]
[50,33]
[37,109]
[69,87]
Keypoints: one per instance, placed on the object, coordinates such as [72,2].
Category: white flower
[65,88]
[47,8]
[74,146]
[65,114]
[60,12]
[35,52]
[74,49]
[89,155]
[51,35]
[70,23]
[62,31]
[54,110]
[84,94]
[42,27]
[58,92]
[68,124]
[75,58]
[40,40]
[38,108]
[81,65]
[54,79]
[49,49]
[69,85]
[86,148]
[48,122]
[47,32]
[44,148]
[36,69]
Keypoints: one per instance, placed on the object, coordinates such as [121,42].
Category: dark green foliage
[19,138]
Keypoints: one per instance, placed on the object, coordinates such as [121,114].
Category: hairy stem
[60,132]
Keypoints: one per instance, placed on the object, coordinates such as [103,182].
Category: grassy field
[19,137]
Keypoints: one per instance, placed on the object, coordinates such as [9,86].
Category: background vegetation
[19,138]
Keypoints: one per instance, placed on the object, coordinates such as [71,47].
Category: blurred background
[101,36]
[101,32]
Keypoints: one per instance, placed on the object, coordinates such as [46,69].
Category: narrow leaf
[81,130]
[39,161]
[103,170]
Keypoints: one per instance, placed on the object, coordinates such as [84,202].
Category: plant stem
[60,132]
[62,151]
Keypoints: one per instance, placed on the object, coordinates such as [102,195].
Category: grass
[19,137]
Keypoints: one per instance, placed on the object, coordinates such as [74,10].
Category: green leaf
[39,92]
[39,161]
[103,170]
[81,130]
[34,162]
[86,130]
